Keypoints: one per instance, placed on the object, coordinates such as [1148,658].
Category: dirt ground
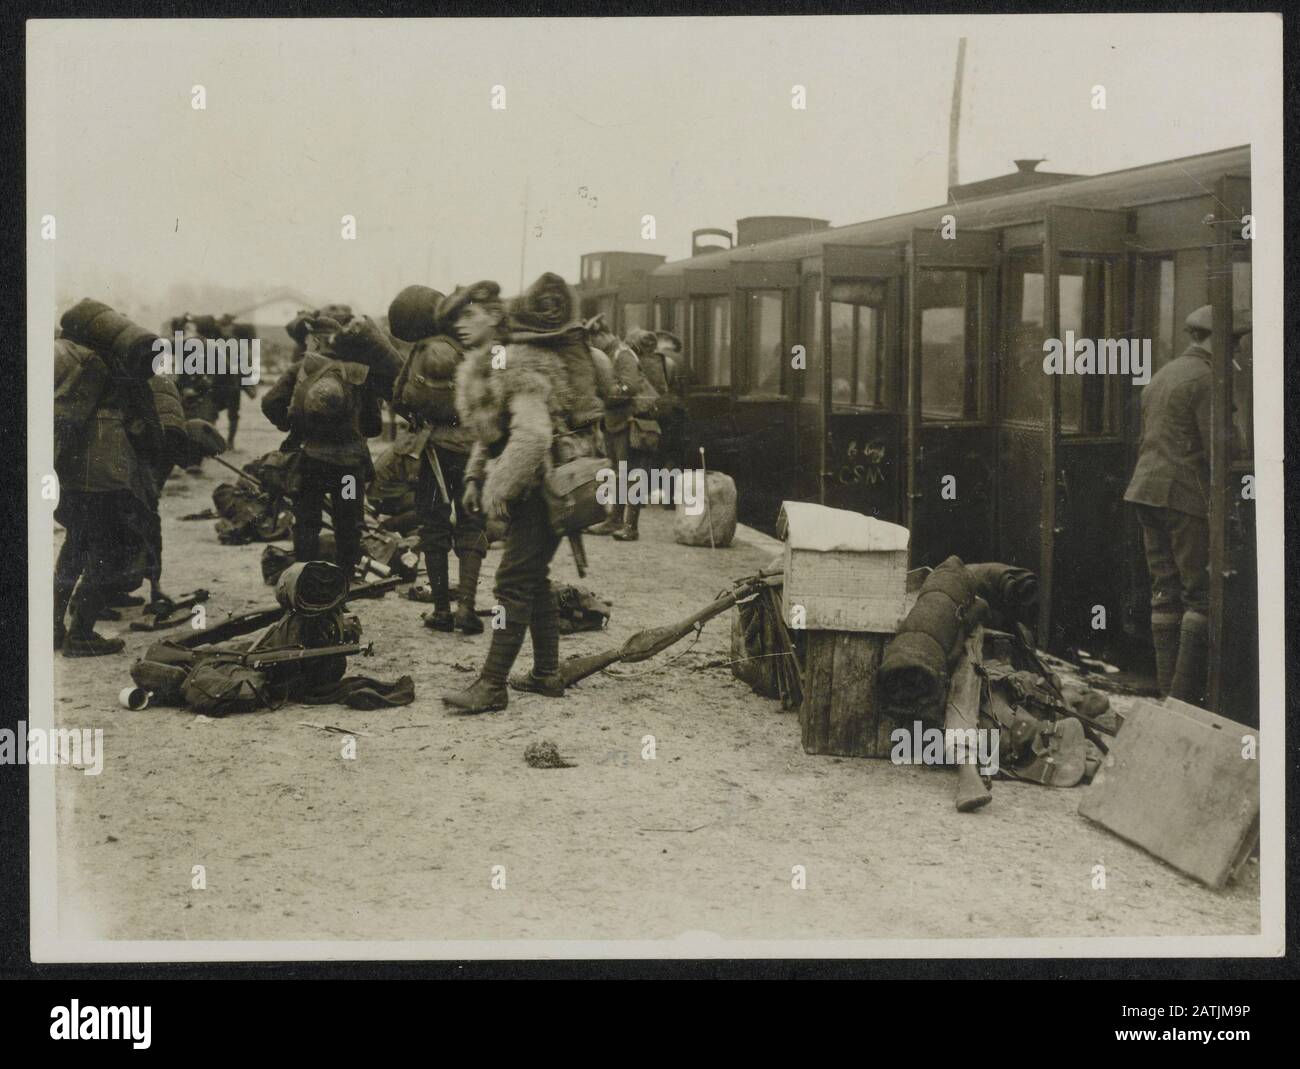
[401,841]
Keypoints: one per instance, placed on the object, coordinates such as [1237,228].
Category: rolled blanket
[547,305]
[342,313]
[914,670]
[167,402]
[204,437]
[275,561]
[97,326]
[76,322]
[363,341]
[312,587]
[1011,592]
[414,313]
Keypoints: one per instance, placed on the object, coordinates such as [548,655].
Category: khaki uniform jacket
[1173,466]
[638,395]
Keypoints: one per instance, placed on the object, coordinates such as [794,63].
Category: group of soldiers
[119,430]
[495,393]
[206,396]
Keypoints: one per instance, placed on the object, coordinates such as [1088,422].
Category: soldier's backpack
[80,382]
[580,609]
[326,396]
[427,382]
[216,687]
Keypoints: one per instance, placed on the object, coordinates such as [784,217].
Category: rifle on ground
[259,659]
[169,613]
[376,588]
[962,715]
[579,553]
[645,644]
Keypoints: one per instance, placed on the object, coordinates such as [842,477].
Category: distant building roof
[283,294]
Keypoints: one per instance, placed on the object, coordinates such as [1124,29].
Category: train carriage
[895,367]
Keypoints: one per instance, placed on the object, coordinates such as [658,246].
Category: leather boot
[81,639]
[1193,657]
[62,595]
[92,645]
[488,693]
[1164,637]
[440,619]
[607,526]
[628,532]
[544,677]
[466,590]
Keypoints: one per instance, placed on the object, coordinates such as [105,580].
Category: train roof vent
[698,247]
[755,229]
[1025,176]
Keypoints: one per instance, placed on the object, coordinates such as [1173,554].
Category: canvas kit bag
[570,489]
[644,434]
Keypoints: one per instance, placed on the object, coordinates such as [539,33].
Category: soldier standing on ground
[537,403]
[1170,489]
[425,393]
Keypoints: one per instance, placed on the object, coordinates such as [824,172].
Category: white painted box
[844,570]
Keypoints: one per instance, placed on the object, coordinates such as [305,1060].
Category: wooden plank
[838,715]
[1177,783]
[850,702]
[814,712]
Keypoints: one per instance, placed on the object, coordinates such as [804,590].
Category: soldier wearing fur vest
[530,401]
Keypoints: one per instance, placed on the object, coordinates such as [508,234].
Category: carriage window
[810,337]
[858,371]
[949,303]
[711,340]
[764,341]
[670,314]
[1156,281]
[1086,406]
[1242,366]
[634,317]
[592,269]
[1020,374]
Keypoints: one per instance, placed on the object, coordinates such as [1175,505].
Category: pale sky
[606,120]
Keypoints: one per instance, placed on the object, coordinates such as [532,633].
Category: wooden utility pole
[523,237]
[954,116]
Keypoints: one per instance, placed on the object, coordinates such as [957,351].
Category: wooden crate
[846,571]
[1175,783]
[852,591]
[839,714]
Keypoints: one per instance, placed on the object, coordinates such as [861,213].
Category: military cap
[451,306]
[1201,319]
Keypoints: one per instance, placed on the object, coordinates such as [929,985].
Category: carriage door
[1234,611]
[862,394]
[764,306]
[1084,456]
[950,439]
